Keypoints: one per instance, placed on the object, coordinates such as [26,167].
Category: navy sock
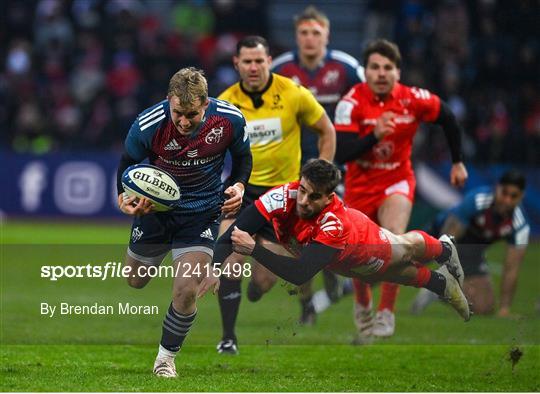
[436,283]
[230,295]
[175,329]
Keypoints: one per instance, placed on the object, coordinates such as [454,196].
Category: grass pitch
[432,352]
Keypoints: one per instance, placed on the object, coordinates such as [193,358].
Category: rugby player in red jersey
[376,122]
[317,229]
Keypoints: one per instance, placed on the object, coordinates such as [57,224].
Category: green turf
[432,352]
[271,368]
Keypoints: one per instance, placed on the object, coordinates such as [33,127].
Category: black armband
[452,131]
[350,147]
[125,162]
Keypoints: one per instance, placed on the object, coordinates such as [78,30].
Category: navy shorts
[155,234]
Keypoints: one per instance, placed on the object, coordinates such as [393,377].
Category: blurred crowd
[482,57]
[76,73]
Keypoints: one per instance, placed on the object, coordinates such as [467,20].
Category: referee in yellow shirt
[275,107]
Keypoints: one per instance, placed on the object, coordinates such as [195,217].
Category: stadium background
[74,75]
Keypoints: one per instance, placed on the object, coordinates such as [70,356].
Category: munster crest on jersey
[214,136]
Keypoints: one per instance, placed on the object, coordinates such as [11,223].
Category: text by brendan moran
[122,308]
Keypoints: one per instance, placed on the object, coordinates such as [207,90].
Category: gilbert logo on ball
[153,183]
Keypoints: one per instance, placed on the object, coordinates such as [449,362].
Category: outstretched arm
[514,257]
[297,271]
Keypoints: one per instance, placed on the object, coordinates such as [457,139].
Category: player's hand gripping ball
[152,183]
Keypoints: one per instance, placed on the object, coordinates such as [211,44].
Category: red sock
[362,292]
[433,246]
[422,276]
[389,292]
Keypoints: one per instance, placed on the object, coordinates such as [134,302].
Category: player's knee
[394,229]
[185,297]
[266,283]
[137,282]
[254,292]
[234,260]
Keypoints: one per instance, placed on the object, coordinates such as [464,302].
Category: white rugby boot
[453,264]
[385,324]
[454,295]
[363,319]
[165,368]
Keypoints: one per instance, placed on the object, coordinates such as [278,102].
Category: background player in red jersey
[312,222]
[376,123]
[328,74]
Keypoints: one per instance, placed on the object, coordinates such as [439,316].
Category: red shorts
[368,252]
[369,202]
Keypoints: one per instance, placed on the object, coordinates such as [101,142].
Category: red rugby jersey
[389,160]
[364,246]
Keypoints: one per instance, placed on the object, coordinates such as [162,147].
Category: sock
[423,275]
[307,303]
[362,292]
[230,295]
[436,283]
[175,329]
[164,353]
[445,254]
[433,247]
[389,292]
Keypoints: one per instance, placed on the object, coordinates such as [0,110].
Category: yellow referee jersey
[274,128]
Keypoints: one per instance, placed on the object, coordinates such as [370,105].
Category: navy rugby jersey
[483,224]
[196,161]
[336,74]
[333,78]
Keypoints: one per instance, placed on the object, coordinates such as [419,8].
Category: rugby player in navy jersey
[328,74]
[187,135]
[486,215]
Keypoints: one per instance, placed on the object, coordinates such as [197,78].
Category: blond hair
[188,84]
[312,13]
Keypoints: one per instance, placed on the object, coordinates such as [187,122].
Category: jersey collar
[260,92]
[321,64]
[256,97]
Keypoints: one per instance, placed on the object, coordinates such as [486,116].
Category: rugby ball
[151,182]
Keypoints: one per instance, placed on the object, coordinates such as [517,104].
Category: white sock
[164,353]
